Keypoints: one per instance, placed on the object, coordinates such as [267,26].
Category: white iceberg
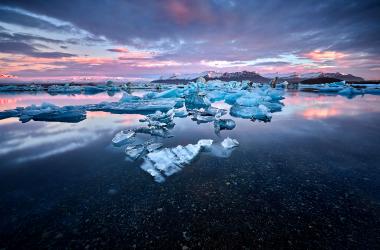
[122,138]
[229,143]
[224,124]
[260,112]
[134,151]
[168,161]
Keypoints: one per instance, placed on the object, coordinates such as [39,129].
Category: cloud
[119,50]
[203,34]
[18,17]
[27,49]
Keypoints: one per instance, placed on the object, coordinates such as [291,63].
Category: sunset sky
[144,39]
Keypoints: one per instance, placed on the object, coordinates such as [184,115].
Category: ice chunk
[197,100]
[214,112]
[171,93]
[205,143]
[60,89]
[93,89]
[222,124]
[350,91]
[201,80]
[260,113]
[168,161]
[181,113]
[134,151]
[272,106]
[47,112]
[161,132]
[129,98]
[122,138]
[232,97]
[229,143]
[139,106]
[216,95]
[154,146]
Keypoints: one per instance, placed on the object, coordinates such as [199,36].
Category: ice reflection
[38,140]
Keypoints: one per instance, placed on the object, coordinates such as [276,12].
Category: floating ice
[350,91]
[138,106]
[324,87]
[171,93]
[154,146]
[59,89]
[260,112]
[161,132]
[93,89]
[222,124]
[216,95]
[122,138]
[129,98]
[180,113]
[198,100]
[168,161]
[229,143]
[134,151]
[47,112]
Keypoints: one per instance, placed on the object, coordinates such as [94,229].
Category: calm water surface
[310,178]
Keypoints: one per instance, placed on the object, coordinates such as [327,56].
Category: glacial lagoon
[307,176]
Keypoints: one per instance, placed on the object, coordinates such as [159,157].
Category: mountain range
[256,77]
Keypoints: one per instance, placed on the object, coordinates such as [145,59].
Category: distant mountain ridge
[255,77]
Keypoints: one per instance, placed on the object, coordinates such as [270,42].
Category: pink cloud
[318,55]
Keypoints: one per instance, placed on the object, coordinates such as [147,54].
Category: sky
[90,40]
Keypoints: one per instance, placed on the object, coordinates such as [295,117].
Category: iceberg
[260,112]
[229,143]
[180,113]
[198,100]
[224,124]
[232,97]
[134,151]
[216,95]
[47,112]
[129,98]
[161,132]
[93,89]
[171,93]
[153,146]
[350,91]
[122,138]
[168,161]
[64,89]
[135,107]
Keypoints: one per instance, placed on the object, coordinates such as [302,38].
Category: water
[307,179]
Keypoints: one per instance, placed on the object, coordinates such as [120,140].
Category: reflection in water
[298,179]
[46,139]
[320,113]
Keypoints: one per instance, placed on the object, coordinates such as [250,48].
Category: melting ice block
[222,124]
[134,151]
[122,138]
[129,98]
[181,113]
[350,91]
[229,143]
[168,161]
[260,113]
[47,112]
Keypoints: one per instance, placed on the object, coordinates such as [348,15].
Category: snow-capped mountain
[292,77]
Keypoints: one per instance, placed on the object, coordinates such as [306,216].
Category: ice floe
[122,137]
[229,143]
[167,161]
